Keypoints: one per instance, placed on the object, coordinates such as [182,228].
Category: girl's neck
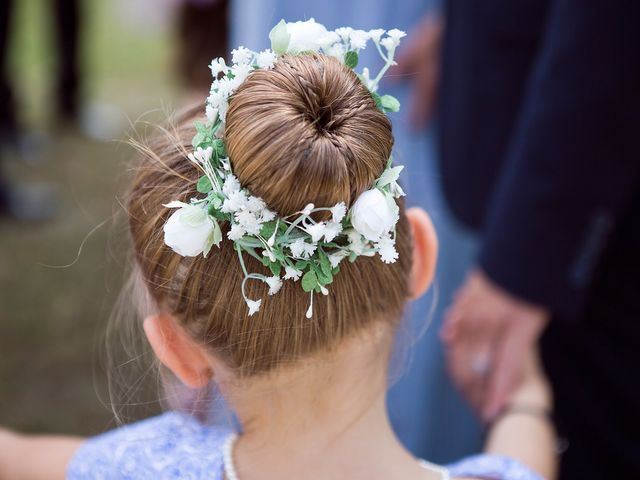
[325,419]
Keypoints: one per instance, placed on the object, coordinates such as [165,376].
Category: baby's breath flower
[248,221]
[358,39]
[256,204]
[217,67]
[211,113]
[387,249]
[236,232]
[344,32]
[376,34]
[337,257]
[266,59]
[331,231]
[241,56]
[231,185]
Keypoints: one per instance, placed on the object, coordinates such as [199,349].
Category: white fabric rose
[188,231]
[305,36]
[373,215]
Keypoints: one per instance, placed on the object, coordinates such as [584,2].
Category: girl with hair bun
[276,259]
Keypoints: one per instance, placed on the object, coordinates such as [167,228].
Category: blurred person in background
[33,203]
[539,125]
[202,32]
[427,412]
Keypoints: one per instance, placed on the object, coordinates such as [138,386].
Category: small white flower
[337,51]
[316,231]
[373,215]
[256,204]
[387,249]
[267,215]
[307,210]
[309,250]
[266,59]
[217,67]
[338,211]
[188,230]
[305,36]
[326,41]
[337,257]
[366,79]
[240,75]
[324,290]
[396,35]
[331,231]
[248,221]
[356,242]
[216,99]
[358,39]
[388,43]
[235,201]
[376,34]
[254,306]
[200,155]
[212,114]
[291,273]
[274,284]
[231,185]
[344,32]
[236,232]
[297,247]
[241,56]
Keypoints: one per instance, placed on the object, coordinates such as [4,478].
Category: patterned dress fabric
[177,446]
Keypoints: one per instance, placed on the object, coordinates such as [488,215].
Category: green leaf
[325,264]
[390,103]
[198,139]
[309,281]
[218,148]
[214,239]
[324,279]
[202,128]
[280,38]
[268,228]
[193,216]
[351,59]
[389,175]
[204,184]
[275,268]
[377,98]
[353,256]
[215,213]
[266,262]
[301,265]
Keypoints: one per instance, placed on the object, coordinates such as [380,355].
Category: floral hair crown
[306,249]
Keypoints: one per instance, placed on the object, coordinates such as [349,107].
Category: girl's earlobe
[425,251]
[186,358]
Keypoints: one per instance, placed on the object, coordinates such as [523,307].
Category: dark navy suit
[540,152]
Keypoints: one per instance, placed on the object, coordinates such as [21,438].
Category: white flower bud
[373,215]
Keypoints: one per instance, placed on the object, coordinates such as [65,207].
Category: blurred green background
[52,320]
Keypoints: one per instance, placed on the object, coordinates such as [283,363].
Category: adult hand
[419,62]
[488,333]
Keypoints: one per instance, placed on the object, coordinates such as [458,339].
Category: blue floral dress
[177,446]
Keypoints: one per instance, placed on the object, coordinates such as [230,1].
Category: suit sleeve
[573,163]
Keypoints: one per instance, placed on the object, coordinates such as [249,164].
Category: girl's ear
[425,251]
[177,351]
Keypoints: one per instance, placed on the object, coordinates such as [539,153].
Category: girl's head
[306,131]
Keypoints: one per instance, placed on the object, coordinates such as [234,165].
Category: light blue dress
[428,414]
[177,446]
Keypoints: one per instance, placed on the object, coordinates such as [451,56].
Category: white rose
[305,36]
[188,231]
[373,215]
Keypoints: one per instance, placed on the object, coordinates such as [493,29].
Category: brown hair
[306,131]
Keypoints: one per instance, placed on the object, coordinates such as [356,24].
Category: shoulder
[491,466]
[172,445]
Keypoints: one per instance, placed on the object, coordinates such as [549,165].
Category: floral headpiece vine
[296,247]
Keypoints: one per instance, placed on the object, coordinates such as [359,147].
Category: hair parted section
[306,131]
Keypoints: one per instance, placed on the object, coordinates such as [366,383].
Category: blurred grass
[52,319]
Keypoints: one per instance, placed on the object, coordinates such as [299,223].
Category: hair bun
[306,131]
